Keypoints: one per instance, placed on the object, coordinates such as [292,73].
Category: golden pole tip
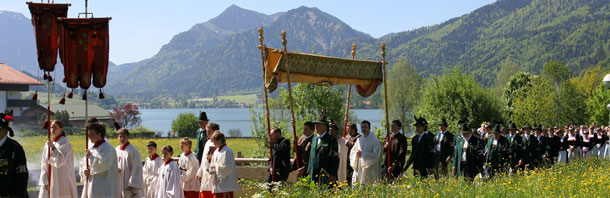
[260,31]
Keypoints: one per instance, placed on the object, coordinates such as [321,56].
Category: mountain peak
[239,19]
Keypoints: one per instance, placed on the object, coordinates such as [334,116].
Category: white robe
[63,181]
[151,174]
[206,177]
[189,165]
[104,172]
[342,171]
[224,175]
[367,168]
[169,185]
[130,175]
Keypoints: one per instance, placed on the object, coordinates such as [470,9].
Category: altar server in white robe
[61,161]
[205,190]
[342,171]
[222,168]
[365,158]
[103,166]
[131,182]
[151,170]
[169,184]
[189,165]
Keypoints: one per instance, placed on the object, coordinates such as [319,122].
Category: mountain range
[220,56]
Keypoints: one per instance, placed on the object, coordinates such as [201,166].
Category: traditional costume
[13,165]
[202,137]
[445,145]
[281,160]
[423,153]
[130,171]
[189,165]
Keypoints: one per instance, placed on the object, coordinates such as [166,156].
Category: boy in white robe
[151,170]
[131,183]
[103,166]
[205,190]
[61,161]
[222,168]
[365,158]
[189,165]
[169,184]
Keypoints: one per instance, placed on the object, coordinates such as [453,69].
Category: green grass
[33,146]
[580,178]
[55,97]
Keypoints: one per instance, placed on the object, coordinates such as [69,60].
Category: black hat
[464,127]
[498,128]
[526,126]
[443,122]
[203,117]
[538,127]
[4,121]
[420,121]
[512,126]
[321,120]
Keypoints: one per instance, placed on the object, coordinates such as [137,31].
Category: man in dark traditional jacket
[398,151]
[202,135]
[543,147]
[531,149]
[13,164]
[517,149]
[445,143]
[350,140]
[423,153]
[324,155]
[467,158]
[280,148]
[304,148]
[497,152]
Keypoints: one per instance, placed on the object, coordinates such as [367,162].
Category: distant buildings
[76,113]
[12,84]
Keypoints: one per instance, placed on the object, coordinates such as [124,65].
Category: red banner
[44,20]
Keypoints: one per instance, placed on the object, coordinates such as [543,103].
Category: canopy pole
[87,139]
[48,125]
[292,122]
[262,48]
[387,118]
[349,94]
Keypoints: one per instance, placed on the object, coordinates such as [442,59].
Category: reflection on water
[228,118]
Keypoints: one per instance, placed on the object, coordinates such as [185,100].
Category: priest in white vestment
[103,166]
[169,184]
[61,161]
[151,170]
[131,182]
[365,158]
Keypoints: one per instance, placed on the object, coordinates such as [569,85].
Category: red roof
[8,75]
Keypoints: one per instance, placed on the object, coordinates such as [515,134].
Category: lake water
[229,118]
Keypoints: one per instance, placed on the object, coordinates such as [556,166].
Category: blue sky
[139,28]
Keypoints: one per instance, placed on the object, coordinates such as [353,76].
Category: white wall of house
[13,95]
[3,100]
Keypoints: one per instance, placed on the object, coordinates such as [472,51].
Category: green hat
[464,127]
[512,126]
[321,120]
[203,117]
[498,128]
[420,121]
[443,122]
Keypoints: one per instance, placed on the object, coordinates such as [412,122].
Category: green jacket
[498,155]
[323,158]
[202,137]
[473,153]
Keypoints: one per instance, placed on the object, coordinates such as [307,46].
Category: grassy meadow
[33,146]
[583,178]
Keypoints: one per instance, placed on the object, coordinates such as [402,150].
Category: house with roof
[12,85]
[75,111]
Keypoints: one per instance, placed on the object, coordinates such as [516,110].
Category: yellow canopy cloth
[321,70]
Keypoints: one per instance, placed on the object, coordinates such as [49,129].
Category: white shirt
[320,137]
[368,166]
[224,175]
[438,146]
[189,165]
[130,175]
[63,181]
[465,148]
[104,171]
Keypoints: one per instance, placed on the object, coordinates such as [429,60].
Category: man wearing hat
[445,143]
[398,151]
[324,155]
[497,152]
[516,148]
[13,165]
[467,155]
[543,147]
[422,150]
[202,136]
[531,147]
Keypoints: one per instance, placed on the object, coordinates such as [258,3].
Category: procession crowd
[322,155]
